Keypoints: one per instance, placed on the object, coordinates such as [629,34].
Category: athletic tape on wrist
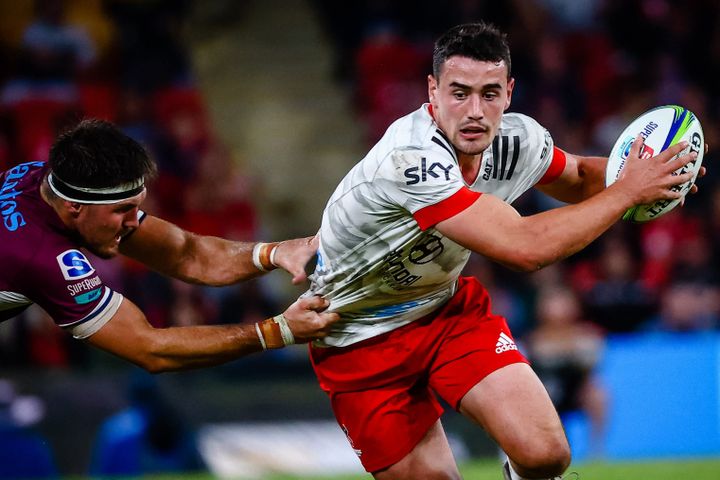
[260,335]
[272,255]
[262,255]
[274,333]
[287,335]
[256,256]
[270,333]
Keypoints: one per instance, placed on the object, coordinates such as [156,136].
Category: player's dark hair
[480,41]
[96,154]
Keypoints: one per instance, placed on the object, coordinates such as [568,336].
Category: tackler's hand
[294,255]
[308,319]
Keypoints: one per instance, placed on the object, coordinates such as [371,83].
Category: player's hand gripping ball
[661,128]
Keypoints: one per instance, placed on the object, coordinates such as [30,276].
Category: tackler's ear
[73,207]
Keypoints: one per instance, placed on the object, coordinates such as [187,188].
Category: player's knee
[544,459]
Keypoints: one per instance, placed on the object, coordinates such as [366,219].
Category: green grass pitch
[701,469]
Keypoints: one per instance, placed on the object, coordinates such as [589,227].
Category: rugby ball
[661,128]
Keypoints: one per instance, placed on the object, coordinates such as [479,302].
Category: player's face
[468,101]
[103,226]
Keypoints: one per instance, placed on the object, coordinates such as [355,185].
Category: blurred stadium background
[254,110]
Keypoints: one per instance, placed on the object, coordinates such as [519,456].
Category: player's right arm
[208,260]
[128,335]
[494,229]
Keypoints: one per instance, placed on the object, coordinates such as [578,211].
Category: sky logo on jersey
[74,265]
[420,174]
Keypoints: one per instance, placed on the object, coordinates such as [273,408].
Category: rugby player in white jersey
[396,234]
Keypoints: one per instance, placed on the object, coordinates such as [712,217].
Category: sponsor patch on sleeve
[88,297]
[74,265]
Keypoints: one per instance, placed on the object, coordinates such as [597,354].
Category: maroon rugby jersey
[42,263]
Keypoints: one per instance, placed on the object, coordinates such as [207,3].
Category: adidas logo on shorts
[504,344]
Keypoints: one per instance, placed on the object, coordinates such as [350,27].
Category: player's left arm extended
[208,260]
[130,336]
[582,178]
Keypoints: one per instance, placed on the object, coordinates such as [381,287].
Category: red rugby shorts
[383,390]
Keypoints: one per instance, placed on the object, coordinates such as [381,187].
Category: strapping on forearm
[274,333]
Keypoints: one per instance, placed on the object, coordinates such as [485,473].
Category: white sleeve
[98,317]
[538,150]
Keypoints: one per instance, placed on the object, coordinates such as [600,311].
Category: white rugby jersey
[381,262]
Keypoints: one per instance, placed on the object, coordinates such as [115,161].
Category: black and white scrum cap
[103,195]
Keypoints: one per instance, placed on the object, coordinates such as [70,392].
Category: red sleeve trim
[557,165]
[433,214]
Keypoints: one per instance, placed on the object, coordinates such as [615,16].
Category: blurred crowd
[583,69]
[127,62]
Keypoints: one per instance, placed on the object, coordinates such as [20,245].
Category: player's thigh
[384,425]
[512,405]
[431,459]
